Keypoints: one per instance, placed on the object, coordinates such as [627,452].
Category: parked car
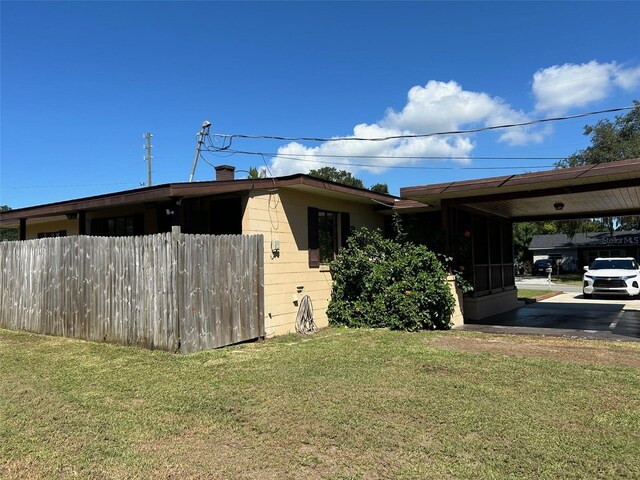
[540,266]
[611,276]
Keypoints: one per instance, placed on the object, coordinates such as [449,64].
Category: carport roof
[606,189]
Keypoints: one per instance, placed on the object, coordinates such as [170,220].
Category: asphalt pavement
[569,315]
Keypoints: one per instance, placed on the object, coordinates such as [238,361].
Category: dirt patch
[540,347]
[21,468]
[539,298]
[225,453]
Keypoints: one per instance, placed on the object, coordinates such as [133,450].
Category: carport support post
[82,222]
[457,317]
[23,229]
[445,209]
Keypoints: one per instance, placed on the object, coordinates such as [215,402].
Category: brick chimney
[225,172]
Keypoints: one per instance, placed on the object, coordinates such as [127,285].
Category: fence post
[176,290]
[260,275]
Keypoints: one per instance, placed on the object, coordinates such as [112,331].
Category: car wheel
[587,295]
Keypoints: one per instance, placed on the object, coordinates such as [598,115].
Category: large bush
[379,282]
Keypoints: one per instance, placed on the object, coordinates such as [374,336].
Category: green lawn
[342,404]
[531,294]
[568,279]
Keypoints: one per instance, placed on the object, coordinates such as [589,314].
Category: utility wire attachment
[204,132]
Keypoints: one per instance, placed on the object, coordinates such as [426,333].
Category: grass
[342,404]
[529,295]
[568,279]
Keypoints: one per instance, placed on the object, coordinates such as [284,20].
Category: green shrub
[379,282]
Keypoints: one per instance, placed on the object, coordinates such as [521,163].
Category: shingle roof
[622,238]
[177,190]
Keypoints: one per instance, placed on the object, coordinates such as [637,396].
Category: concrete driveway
[569,315]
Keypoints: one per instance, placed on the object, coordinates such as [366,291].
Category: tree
[253,173]
[380,188]
[610,141]
[7,233]
[339,176]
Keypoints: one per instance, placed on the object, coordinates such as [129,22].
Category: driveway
[569,315]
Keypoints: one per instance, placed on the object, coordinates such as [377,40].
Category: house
[574,252]
[304,221]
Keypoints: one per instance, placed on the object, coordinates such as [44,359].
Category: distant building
[572,253]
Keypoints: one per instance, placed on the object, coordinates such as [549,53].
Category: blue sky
[83,81]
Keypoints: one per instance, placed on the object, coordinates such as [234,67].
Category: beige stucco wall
[478,308]
[72,226]
[33,229]
[282,216]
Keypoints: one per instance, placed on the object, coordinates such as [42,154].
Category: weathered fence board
[168,291]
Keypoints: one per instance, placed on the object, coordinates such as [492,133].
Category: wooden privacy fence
[169,291]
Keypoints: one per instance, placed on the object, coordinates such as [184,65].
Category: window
[118,226]
[59,233]
[327,235]
[327,232]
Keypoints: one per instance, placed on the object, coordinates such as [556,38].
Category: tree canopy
[380,188]
[7,233]
[346,178]
[610,140]
[334,175]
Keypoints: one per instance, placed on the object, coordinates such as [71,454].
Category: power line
[370,165]
[15,187]
[402,157]
[230,137]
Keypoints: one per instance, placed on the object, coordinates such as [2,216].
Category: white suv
[611,276]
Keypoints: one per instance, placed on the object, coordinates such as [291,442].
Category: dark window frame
[341,227]
[57,233]
[118,226]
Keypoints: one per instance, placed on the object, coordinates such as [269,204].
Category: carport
[478,216]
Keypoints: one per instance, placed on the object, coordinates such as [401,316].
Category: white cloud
[628,79]
[446,106]
[561,87]
[436,107]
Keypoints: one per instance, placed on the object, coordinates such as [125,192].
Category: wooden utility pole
[149,157]
[204,131]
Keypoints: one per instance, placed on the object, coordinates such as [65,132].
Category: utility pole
[149,157]
[204,131]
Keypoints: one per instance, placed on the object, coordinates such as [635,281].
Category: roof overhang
[606,189]
[173,191]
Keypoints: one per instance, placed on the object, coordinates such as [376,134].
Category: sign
[622,240]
